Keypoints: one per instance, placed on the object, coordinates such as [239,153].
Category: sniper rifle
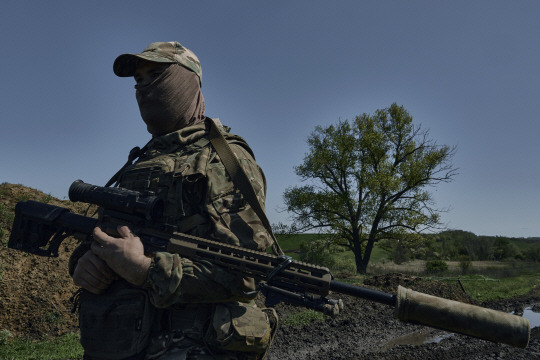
[39,228]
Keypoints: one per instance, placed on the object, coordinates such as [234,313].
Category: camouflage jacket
[200,199]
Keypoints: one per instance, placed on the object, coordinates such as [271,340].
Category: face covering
[172,101]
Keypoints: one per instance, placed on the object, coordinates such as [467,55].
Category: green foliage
[6,219]
[367,180]
[533,253]
[464,263]
[343,264]
[319,252]
[291,243]
[64,347]
[484,289]
[5,337]
[303,317]
[52,317]
[436,266]
[401,253]
[23,197]
[452,244]
[46,198]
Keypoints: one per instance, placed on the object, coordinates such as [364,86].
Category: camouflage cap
[163,52]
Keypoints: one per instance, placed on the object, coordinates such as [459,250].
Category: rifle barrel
[358,291]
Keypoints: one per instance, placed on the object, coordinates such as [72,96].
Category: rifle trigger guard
[55,242]
[285,261]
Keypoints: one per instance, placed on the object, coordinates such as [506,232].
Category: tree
[367,181]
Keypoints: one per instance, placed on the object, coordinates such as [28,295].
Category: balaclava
[172,101]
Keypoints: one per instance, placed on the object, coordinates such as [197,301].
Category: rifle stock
[39,228]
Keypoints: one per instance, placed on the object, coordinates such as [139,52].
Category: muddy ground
[367,330]
[35,293]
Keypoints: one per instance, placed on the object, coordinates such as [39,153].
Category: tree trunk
[361,265]
[362,262]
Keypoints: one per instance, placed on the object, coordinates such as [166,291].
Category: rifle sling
[239,177]
[233,167]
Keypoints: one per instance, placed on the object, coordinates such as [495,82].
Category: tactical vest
[177,174]
[172,176]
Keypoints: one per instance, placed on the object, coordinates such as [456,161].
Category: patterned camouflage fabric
[163,52]
[184,170]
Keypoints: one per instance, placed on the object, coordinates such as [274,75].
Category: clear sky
[272,70]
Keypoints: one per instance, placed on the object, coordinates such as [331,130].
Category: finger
[124,231]
[89,281]
[101,268]
[88,286]
[99,250]
[86,276]
[101,237]
[92,265]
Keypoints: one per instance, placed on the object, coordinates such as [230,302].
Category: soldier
[194,310]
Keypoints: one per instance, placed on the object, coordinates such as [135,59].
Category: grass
[512,278]
[64,347]
[290,244]
[6,219]
[503,288]
[303,318]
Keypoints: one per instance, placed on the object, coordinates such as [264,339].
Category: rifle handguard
[487,324]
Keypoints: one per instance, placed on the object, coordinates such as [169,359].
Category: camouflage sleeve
[173,279]
[235,222]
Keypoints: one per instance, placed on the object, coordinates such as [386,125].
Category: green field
[61,348]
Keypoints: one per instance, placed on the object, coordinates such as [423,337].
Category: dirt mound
[390,282]
[34,290]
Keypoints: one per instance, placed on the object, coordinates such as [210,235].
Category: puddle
[416,338]
[533,317]
[423,336]
[437,339]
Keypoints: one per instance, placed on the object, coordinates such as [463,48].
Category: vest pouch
[117,324]
[239,328]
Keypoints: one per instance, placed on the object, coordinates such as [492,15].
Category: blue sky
[466,70]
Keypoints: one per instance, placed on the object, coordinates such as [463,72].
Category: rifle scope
[119,199]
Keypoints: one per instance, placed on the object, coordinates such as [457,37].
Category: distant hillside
[453,243]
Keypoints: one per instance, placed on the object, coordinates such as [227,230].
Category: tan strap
[240,179]
[134,154]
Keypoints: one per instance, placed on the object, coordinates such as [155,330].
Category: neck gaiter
[172,101]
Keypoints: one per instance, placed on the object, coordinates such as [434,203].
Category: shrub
[400,254]
[436,266]
[318,252]
[464,263]
[5,337]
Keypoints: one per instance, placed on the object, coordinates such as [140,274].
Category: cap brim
[126,64]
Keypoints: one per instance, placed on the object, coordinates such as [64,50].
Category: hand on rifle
[124,254]
[93,274]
